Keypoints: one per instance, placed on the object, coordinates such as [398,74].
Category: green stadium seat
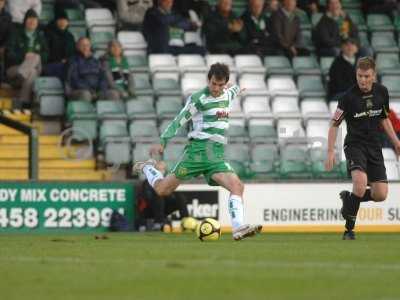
[143,131]
[110,109]
[141,85]
[140,109]
[351,3]
[264,161]
[168,106]
[262,130]
[304,19]
[379,22]
[115,142]
[310,86]
[138,63]
[325,64]
[392,84]
[294,162]
[47,14]
[100,39]
[76,17]
[239,158]
[278,65]
[384,42]
[166,86]
[78,32]
[364,41]
[358,18]
[307,40]
[315,18]
[237,130]
[388,64]
[317,157]
[306,65]
[141,151]
[49,93]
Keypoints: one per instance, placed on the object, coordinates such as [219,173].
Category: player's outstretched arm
[388,128]
[330,158]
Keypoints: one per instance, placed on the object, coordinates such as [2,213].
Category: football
[208,230]
[189,224]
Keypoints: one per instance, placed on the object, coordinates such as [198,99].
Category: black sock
[354,206]
[367,196]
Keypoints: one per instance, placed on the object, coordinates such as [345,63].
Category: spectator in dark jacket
[61,45]
[342,73]
[224,31]
[116,67]
[334,25]
[86,79]
[286,30]
[164,30]
[26,51]
[5,26]
[258,29]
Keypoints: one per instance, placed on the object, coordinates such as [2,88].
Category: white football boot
[139,165]
[245,231]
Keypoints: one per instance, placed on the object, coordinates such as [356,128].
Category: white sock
[152,174]
[236,211]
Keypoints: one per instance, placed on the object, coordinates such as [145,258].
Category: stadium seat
[389,154]
[143,131]
[115,142]
[141,84]
[325,64]
[392,170]
[140,109]
[282,86]
[83,119]
[133,43]
[181,135]
[76,18]
[290,131]
[237,130]
[304,19]
[49,93]
[257,107]
[221,58]
[364,41]
[384,42]
[314,108]
[317,132]
[166,84]
[253,84]
[236,110]
[379,22]
[138,63]
[315,18]
[78,32]
[100,40]
[264,161]
[358,18]
[47,13]
[167,107]
[163,63]
[332,107]
[310,86]
[352,4]
[192,63]
[100,19]
[278,65]
[388,64]
[238,156]
[285,107]
[294,162]
[307,40]
[141,151]
[248,63]
[262,131]
[110,110]
[317,159]
[392,84]
[192,82]
[306,65]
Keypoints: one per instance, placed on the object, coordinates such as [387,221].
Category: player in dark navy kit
[365,109]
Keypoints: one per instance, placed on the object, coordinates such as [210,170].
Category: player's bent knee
[379,197]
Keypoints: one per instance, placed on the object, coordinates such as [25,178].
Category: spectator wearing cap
[18,8]
[224,31]
[26,51]
[61,45]
[164,30]
[286,31]
[342,73]
[85,78]
[116,67]
[333,26]
[258,29]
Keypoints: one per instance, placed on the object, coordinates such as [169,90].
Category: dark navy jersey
[363,113]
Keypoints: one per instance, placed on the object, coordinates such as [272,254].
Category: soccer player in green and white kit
[208,109]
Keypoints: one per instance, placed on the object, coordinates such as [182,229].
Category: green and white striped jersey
[209,116]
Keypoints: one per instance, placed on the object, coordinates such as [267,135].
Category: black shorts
[368,159]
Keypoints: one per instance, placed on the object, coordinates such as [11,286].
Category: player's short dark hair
[366,63]
[219,71]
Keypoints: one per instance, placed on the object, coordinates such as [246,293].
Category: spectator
[26,51]
[5,27]
[257,27]
[334,25]
[131,13]
[164,30]
[156,208]
[309,6]
[200,7]
[286,30]
[86,79]
[271,6]
[61,45]
[117,69]
[342,74]
[18,8]
[224,31]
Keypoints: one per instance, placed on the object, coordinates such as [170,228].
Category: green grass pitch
[178,266]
